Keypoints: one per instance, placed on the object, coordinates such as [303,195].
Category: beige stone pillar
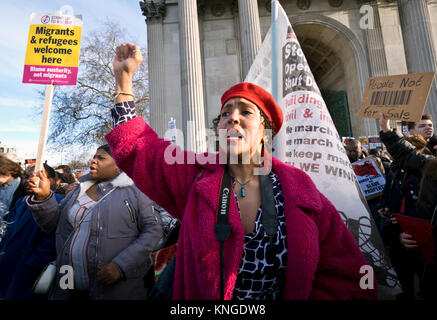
[418,43]
[193,111]
[250,32]
[375,46]
[154,11]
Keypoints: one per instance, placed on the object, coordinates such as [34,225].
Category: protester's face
[424,128]
[103,167]
[5,178]
[353,152]
[244,127]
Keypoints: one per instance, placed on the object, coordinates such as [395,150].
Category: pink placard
[50,75]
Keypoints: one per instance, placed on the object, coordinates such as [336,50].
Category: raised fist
[127,59]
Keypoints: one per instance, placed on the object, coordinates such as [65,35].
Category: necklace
[243,191]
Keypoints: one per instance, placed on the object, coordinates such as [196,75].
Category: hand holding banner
[421,231]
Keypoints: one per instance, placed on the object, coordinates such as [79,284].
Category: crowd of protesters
[281,238]
[410,169]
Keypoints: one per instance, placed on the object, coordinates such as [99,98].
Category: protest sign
[374,142]
[52,58]
[53,45]
[400,97]
[364,143]
[29,161]
[309,140]
[404,126]
[370,178]
[421,231]
[346,140]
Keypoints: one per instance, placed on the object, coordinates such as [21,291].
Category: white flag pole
[45,121]
[44,127]
[274,92]
[274,50]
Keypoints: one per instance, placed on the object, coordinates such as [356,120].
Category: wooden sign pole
[44,127]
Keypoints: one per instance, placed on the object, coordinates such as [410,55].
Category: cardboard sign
[400,97]
[421,231]
[370,178]
[374,142]
[52,55]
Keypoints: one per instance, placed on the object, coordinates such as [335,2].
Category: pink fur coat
[323,258]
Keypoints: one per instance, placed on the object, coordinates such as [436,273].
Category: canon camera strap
[222,227]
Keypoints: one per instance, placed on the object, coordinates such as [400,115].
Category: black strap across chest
[223,229]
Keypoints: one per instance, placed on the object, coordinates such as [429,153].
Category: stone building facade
[10,153]
[198,49]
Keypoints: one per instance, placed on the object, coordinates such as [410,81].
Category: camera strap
[223,229]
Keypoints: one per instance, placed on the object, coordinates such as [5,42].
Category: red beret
[257,95]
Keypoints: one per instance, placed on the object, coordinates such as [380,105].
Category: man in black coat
[417,163]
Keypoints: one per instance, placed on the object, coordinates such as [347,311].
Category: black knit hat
[106,148]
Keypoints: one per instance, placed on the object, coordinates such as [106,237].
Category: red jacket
[323,260]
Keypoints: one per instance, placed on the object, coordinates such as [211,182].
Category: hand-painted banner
[309,140]
[52,55]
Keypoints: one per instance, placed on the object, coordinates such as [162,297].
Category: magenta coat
[323,259]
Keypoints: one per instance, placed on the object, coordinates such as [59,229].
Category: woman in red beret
[303,252]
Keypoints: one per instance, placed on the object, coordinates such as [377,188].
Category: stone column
[193,111]
[418,43]
[154,11]
[250,32]
[376,51]
[375,46]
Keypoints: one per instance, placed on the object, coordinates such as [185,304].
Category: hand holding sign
[408,241]
[384,123]
[39,185]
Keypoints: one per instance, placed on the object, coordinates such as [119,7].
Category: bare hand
[108,274]
[408,241]
[39,185]
[384,123]
[127,59]
[383,212]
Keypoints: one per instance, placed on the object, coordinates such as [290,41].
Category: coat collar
[121,181]
[297,186]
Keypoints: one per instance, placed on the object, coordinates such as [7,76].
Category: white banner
[309,140]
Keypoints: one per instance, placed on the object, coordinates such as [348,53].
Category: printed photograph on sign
[370,178]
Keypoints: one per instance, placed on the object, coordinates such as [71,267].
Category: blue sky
[20,123]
